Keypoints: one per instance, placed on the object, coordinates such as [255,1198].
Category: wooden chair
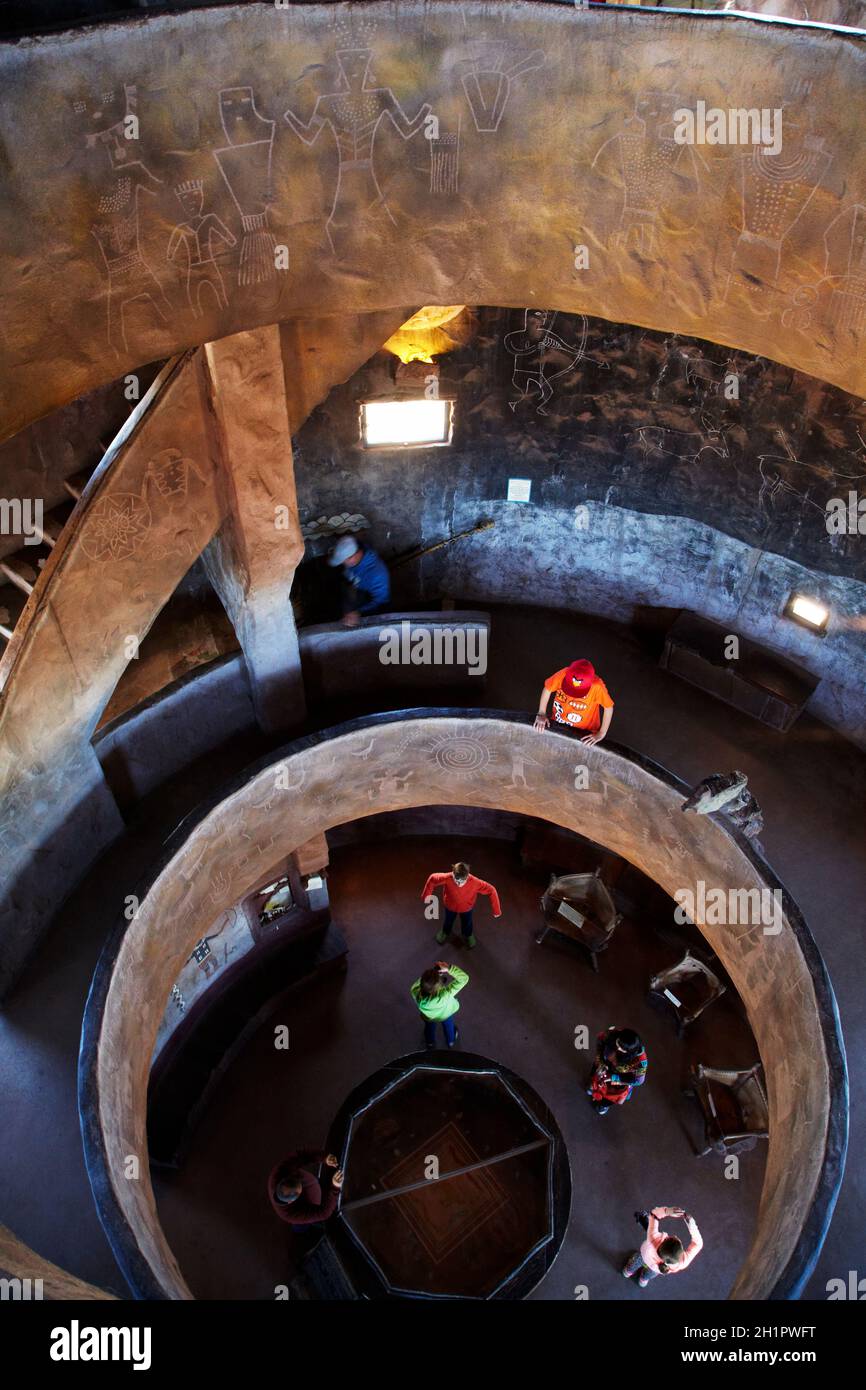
[734,1107]
[580,907]
[688,988]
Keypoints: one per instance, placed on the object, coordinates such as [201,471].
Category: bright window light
[808,611]
[401,423]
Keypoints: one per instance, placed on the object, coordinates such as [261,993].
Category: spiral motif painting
[460,755]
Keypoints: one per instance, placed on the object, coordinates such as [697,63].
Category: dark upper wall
[35,462]
[561,123]
[635,419]
[31,16]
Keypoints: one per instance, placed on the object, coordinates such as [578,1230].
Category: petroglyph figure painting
[520,761]
[541,356]
[390,785]
[364,753]
[195,243]
[706,376]
[445,162]
[658,175]
[657,441]
[353,114]
[117,230]
[845,246]
[245,164]
[775,486]
[168,474]
[775,190]
[487,76]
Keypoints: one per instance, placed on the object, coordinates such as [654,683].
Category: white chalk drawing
[664,368]
[238,849]
[775,190]
[353,115]
[702,373]
[841,291]
[460,756]
[364,753]
[391,784]
[845,245]
[245,164]
[220,885]
[830,474]
[520,760]
[115,526]
[168,475]
[652,167]
[259,848]
[487,75]
[196,243]
[541,356]
[117,231]
[657,441]
[287,777]
[800,307]
[445,162]
[775,487]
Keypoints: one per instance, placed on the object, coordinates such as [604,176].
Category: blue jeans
[448,1028]
[465,922]
[634,1265]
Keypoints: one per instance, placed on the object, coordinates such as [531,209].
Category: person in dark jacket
[297,1195]
[367,587]
[620,1065]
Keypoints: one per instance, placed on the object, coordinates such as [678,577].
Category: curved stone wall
[19,1265]
[176,179]
[493,761]
[626,560]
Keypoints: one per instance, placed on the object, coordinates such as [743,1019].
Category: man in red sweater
[460,890]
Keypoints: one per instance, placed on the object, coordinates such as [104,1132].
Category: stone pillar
[312,856]
[252,560]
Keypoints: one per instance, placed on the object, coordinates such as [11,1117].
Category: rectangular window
[274,901]
[412,424]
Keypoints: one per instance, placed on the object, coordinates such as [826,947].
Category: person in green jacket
[435,994]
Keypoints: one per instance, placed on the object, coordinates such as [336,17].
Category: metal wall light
[808,612]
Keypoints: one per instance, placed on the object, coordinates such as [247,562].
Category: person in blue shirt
[368,583]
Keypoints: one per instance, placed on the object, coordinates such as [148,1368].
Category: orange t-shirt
[578,711]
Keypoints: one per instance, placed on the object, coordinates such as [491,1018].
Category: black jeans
[465,922]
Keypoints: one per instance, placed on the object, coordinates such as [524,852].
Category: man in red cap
[580,700]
